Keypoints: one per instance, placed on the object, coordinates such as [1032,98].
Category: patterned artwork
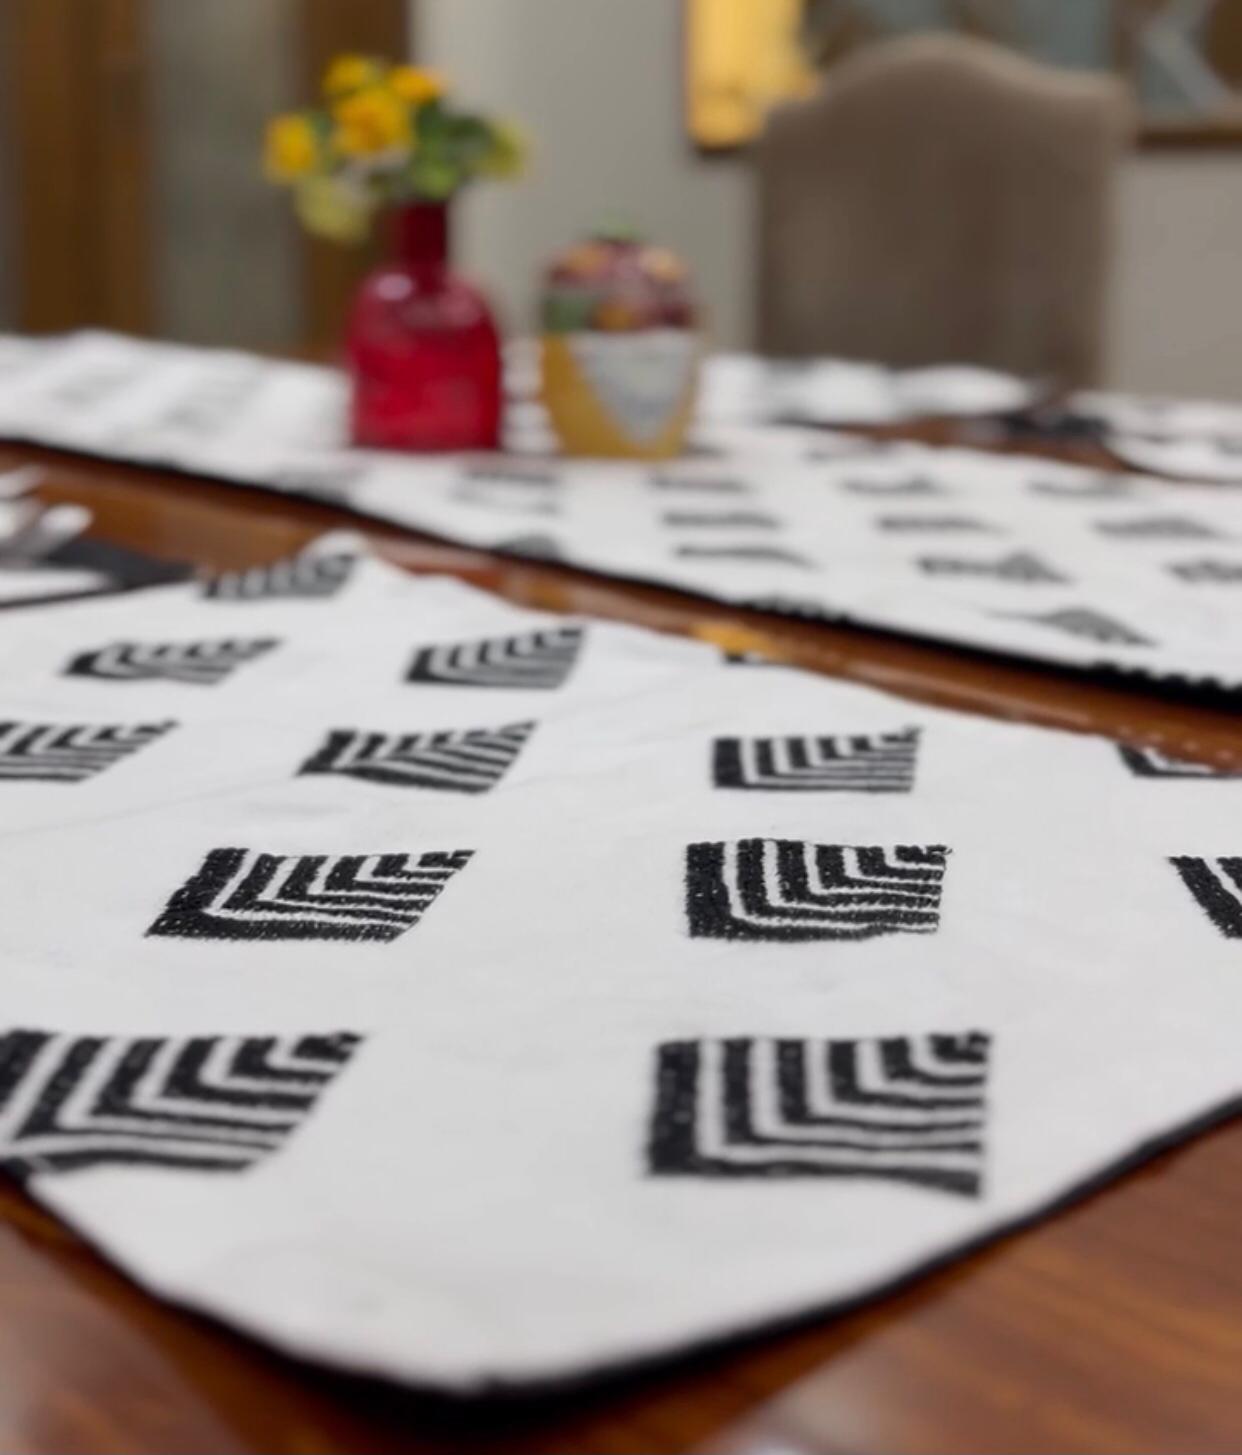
[469,760]
[1217,888]
[1153,763]
[932,524]
[1019,566]
[784,889]
[719,519]
[860,763]
[244,894]
[69,753]
[758,555]
[538,660]
[207,1103]
[1157,528]
[197,664]
[305,576]
[1082,621]
[1207,572]
[907,1108]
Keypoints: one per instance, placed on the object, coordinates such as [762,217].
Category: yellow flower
[507,155]
[332,210]
[350,73]
[369,121]
[290,148]
[416,84]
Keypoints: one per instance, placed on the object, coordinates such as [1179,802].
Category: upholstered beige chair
[942,200]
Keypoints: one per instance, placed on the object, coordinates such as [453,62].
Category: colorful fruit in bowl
[620,350]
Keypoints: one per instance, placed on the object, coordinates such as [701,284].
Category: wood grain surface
[1112,1325]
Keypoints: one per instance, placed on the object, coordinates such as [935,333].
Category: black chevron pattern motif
[1208,572]
[464,761]
[697,484]
[1153,763]
[540,660]
[757,554]
[1095,489]
[198,664]
[519,487]
[785,889]
[1019,566]
[722,519]
[799,606]
[903,1108]
[1157,528]
[859,763]
[243,894]
[305,576]
[1217,888]
[1085,621]
[207,1103]
[69,752]
[933,524]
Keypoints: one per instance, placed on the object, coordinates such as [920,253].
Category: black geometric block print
[1217,887]
[1152,763]
[1084,621]
[462,761]
[1208,572]
[902,1108]
[750,554]
[69,753]
[785,889]
[860,763]
[305,576]
[793,606]
[513,472]
[932,523]
[539,659]
[242,894]
[1157,528]
[200,664]
[1020,566]
[514,487]
[711,519]
[210,1103]
[697,484]
[1099,488]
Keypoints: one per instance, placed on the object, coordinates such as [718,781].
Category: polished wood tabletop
[1114,1324]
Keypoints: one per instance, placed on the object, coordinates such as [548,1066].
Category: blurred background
[132,195]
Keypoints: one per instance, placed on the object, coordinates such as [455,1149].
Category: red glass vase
[422,347]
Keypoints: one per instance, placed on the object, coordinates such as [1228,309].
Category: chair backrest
[941,199]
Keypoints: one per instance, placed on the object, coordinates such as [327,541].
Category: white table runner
[1021,556]
[475,997]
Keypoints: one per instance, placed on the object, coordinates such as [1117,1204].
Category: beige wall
[596,83]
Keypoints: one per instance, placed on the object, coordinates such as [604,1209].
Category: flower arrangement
[384,135]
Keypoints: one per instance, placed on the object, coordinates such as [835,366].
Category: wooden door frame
[74,79]
[74,76]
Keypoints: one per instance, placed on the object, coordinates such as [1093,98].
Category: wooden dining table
[1112,1324]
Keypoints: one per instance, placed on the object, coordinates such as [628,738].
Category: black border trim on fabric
[504,1397]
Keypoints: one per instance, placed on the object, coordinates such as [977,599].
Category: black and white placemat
[1021,556]
[475,997]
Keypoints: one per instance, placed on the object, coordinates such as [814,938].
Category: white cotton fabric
[1128,574]
[469,1204]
